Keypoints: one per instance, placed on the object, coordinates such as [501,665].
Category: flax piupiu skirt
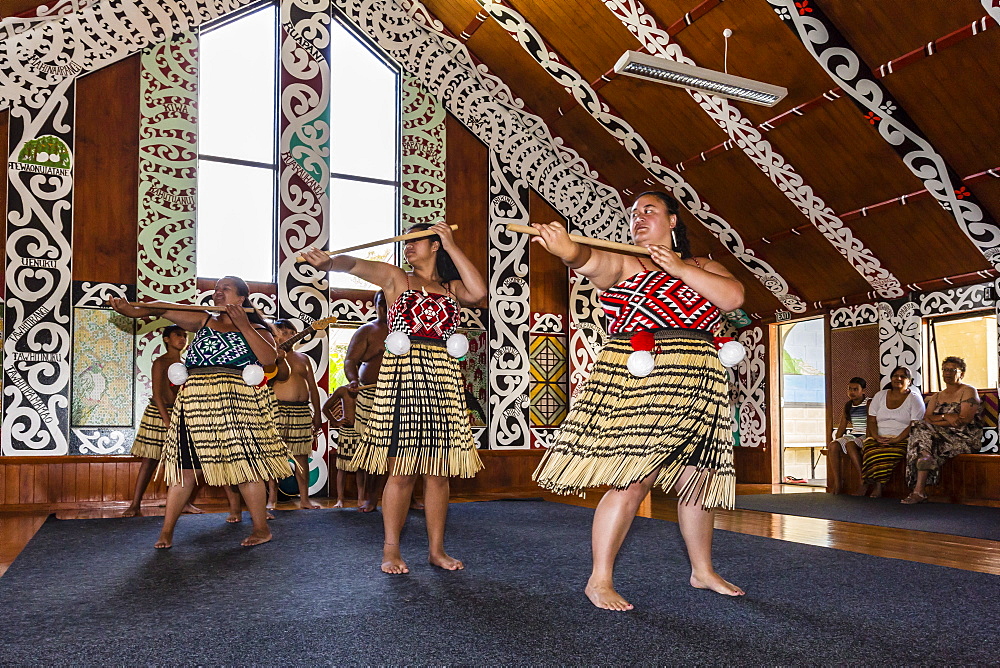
[349,436]
[622,428]
[150,435]
[226,428]
[418,417]
[294,422]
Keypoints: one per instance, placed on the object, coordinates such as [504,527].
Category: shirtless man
[152,431]
[362,363]
[299,416]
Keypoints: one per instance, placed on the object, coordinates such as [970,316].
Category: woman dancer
[220,425]
[417,424]
[670,428]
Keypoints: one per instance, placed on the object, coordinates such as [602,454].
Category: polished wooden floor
[972,554]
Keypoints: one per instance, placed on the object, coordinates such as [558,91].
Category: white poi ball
[640,363]
[732,353]
[177,373]
[397,343]
[253,374]
[458,345]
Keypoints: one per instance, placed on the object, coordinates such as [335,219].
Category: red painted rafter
[891,67]
[690,17]
[863,212]
[473,26]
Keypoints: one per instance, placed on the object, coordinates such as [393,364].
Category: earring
[673,238]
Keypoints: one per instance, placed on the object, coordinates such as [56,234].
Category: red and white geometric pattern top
[429,315]
[656,300]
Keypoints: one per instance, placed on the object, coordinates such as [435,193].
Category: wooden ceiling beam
[689,17]
[825,43]
[779,171]
[623,132]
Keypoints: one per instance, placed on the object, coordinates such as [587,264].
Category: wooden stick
[182,307]
[367,387]
[419,234]
[613,246]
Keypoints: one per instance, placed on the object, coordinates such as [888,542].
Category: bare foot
[256,538]
[604,596]
[235,517]
[192,510]
[392,560]
[164,541]
[715,582]
[132,511]
[339,504]
[309,504]
[270,516]
[365,507]
[444,561]
[877,492]
[416,505]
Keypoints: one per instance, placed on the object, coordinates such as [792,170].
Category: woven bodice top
[656,300]
[425,314]
[214,348]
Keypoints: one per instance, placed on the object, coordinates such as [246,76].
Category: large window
[237,168]
[238,171]
[971,336]
[364,155]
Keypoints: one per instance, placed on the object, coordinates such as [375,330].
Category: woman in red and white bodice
[667,424]
[418,424]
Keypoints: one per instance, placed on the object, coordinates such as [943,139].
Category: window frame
[932,358]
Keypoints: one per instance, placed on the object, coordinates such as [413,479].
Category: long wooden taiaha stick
[419,234]
[182,307]
[612,246]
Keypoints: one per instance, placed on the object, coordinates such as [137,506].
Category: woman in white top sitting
[890,414]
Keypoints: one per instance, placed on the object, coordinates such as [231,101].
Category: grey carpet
[95,592]
[950,518]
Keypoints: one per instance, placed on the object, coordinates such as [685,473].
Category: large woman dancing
[417,425]
[220,425]
[670,428]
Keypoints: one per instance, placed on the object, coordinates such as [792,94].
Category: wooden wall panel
[106,174]
[753,465]
[549,276]
[853,352]
[467,195]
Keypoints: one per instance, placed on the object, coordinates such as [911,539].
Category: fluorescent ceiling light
[643,66]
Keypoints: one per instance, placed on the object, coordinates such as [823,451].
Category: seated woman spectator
[950,427]
[890,415]
[850,432]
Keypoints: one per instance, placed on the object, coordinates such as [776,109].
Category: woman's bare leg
[612,520]
[177,498]
[436,492]
[697,528]
[395,506]
[255,494]
[235,504]
[146,471]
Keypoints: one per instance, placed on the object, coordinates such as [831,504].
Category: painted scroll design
[833,53]
[992,8]
[854,316]
[46,54]
[412,37]
[740,130]
[87,441]
[638,147]
[956,300]
[168,182]
[899,339]
[586,331]
[304,170]
[88,294]
[38,279]
[510,311]
[424,150]
[347,310]
[751,387]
